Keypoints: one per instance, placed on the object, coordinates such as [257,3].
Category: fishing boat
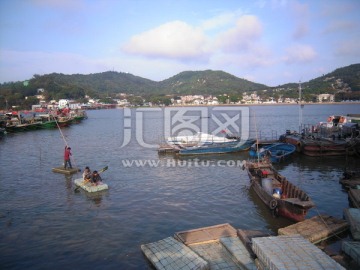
[217,148]
[258,147]
[281,196]
[280,151]
[328,147]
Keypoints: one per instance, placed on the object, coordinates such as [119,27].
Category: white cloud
[301,16]
[219,21]
[299,54]
[173,40]
[348,48]
[247,30]
[340,26]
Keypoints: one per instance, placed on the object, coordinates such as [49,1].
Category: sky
[272,42]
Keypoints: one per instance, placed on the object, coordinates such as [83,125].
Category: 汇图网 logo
[184,121]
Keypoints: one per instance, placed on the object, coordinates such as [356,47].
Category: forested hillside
[343,82]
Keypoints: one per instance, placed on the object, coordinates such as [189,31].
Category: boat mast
[300,108]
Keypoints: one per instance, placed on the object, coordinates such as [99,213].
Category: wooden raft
[316,229]
[354,197]
[65,171]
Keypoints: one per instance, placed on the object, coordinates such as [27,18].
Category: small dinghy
[90,187]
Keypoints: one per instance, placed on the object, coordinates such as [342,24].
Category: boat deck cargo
[89,187]
[317,228]
[65,171]
[354,197]
[291,252]
[352,215]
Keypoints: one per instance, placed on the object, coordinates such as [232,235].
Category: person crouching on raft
[96,178]
[87,174]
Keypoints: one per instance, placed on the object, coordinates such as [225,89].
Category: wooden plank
[65,171]
[205,234]
[317,228]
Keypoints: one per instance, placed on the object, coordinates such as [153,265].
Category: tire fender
[272,204]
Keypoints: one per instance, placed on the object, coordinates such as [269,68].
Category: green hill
[344,82]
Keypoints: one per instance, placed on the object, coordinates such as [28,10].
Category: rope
[332,234]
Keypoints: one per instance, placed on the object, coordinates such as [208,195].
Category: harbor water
[44,224]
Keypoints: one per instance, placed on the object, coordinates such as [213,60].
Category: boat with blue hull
[277,151]
[217,148]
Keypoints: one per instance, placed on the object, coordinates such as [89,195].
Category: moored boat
[327,147]
[280,195]
[200,139]
[217,148]
[280,151]
[276,151]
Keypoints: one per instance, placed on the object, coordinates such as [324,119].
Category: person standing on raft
[67,155]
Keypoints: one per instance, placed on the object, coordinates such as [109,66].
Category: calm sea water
[45,224]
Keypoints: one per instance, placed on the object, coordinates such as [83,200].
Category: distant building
[326,98]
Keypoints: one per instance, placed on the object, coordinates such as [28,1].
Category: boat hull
[217,148]
[326,148]
[293,203]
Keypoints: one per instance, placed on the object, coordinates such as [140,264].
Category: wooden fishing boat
[217,148]
[280,195]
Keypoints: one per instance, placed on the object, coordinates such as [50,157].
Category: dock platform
[316,229]
[65,171]
[352,216]
[218,247]
[354,197]
[171,254]
[291,252]
[352,249]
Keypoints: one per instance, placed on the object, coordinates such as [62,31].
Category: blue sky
[271,42]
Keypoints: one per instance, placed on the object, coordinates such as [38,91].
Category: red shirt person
[67,155]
